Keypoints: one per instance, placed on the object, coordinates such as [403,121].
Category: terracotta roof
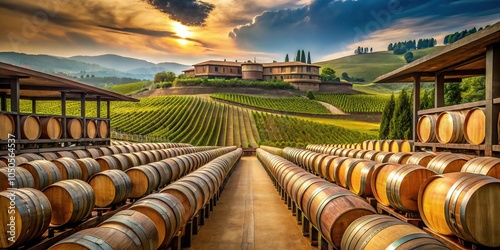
[221,63]
[284,64]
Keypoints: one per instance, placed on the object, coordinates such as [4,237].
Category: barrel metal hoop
[407,238]
[311,198]
[322,206]
[357,229]
[378,230]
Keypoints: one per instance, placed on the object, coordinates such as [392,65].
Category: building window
[294,69]
[224,69]
[283,69]
[216,69]
[308,69]
[231,70]
[301,76]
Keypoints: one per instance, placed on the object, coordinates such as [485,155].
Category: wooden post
[492,87]
[416,104]
[82,109]
[439,91]
[3,100]
[15,96]
[108,108]
[63,113]
[98,105]
[33,106]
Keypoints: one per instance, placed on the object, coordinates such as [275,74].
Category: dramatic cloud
[187,12]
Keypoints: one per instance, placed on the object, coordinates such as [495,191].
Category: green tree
[452,94]
[473,89]
[308,57]
[401,121]
[386,118]
[303,56]
[390,47]
[409,57]
[164,76]
[328,74]
[345,76]
[297,57]
[286,58]
[310,95]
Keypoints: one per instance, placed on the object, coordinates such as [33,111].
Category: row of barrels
[35,127]
[440,162]
[457,203]
[68,202]
[394,146]
[453,127]
[345,220]
[152,222]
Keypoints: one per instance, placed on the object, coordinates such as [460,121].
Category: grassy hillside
[373,65]
[129,88]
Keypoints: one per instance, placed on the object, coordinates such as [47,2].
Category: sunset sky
[190,31]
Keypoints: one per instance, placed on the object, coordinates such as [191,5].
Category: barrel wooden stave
[111,187]
[22,178]
[51,128]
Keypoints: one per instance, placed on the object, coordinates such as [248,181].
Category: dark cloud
[187,12]
[327,26]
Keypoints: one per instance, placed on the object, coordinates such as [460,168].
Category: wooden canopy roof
[38,85]
[462,59]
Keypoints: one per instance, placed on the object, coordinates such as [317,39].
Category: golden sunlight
[181,30]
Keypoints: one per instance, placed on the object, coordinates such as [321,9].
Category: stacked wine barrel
[152,222]
[465,195]
[394,146]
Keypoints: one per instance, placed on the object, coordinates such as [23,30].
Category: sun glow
[181,30]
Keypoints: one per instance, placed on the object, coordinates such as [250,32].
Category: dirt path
[334,110]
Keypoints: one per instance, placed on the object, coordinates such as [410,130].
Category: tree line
[400,48]
[300,57]
[363,50]
[453,37]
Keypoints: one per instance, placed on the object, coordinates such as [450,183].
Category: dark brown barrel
[96,238]
[88,167]
[51,128]
[167,213]
[384,232]
[32,216]
[122,161]
[163,172]
[94,152]
[80,154]
[144,180]
[402,186]
[421,158]
[174,168]
[105,151]
[450,127]
[475,126]
[102,129]
[483,165]
[91,129]
[31,128]
[400,157]
[74,128]
[49,156]
[359,177]
[44,172]
[141,157]
[426,128]
[111,187]
[462,204]
[69,168]
[133,160]
[31,156]
[65,154]
[137,224]
[71,201]
[187,195]
[7,126]
[107,163]
[20,177]
[447,163]
[202,186]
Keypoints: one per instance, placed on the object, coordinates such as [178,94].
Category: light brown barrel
[111,187]
[144,180]
[373,232]
[108,162]
[371,155]
[91,129]
[332,171]
[448,162]
[343,169]
[31,128]
[378,145]
[74,128]
[383,156]
[141,226]
[187,195]
[379,179]
[406,146]
[20,177]
[163,172]
[94,152]
[88,167]
[450,127]
[32,216]
[96,238]
[7,126]
[80,153]
[51,128]
[426,128]
[71,201]
[475,126]
[102,129]
[65,154]
[364,145]
[359,177]
[400,157]
[463,204]
[31,156]
[166,211]
[49,156]
[44,172]
[69,168]
[386,145]
[371,144]
[395,145]
[483,165]
[123,162]
[421,158]
[402,186]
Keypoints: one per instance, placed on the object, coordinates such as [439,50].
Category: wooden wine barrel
[426,128]
[332,173]
[133,160]
[449,127]
[144,180]
[80,153]
[31,128]
[402,186]
[371,155]
[97,238]
[44,173]
[163,172]
[343,169]
[483,165]
[74,128]
[364,145]
[175,169]
[91,129]
[123,162]
[379,179]
[371,144]
[69,168]
[49,156]
[17,160]
[105,151]
[326,165]
[386,145]
[142,158]
[463,204]
[359,177]
[94,152]
[165,211]
[383,156]
[421,158]
[111,187]
[20,177]
[71,201]
[475,126]
[400,157]
[137,224]
[31,157]
[51,128]
[88,167]
[448,162]
[202,189]
[394,145]
[378,145]
[406,146]
[3,165]
[187,195]
[108,162]
[65,154]
[384,232]
[32,216]
[7,126]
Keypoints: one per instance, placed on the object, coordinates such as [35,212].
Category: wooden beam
[416,105]
[450,80]
[452,67]
[465,72]
[98,105]
[453,107]
[63,113]
[82,110]
[492,88]
[439,91]
[33,106]
[108,109]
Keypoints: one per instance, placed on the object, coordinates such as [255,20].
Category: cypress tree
[286,58]
[303,56]
[386,118]
[308,57]
[297,57]
[453,94]
[401,119]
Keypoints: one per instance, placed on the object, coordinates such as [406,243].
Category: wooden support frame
[416,104]
[492,87]
[82,110]
[63,113]
[98,106]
